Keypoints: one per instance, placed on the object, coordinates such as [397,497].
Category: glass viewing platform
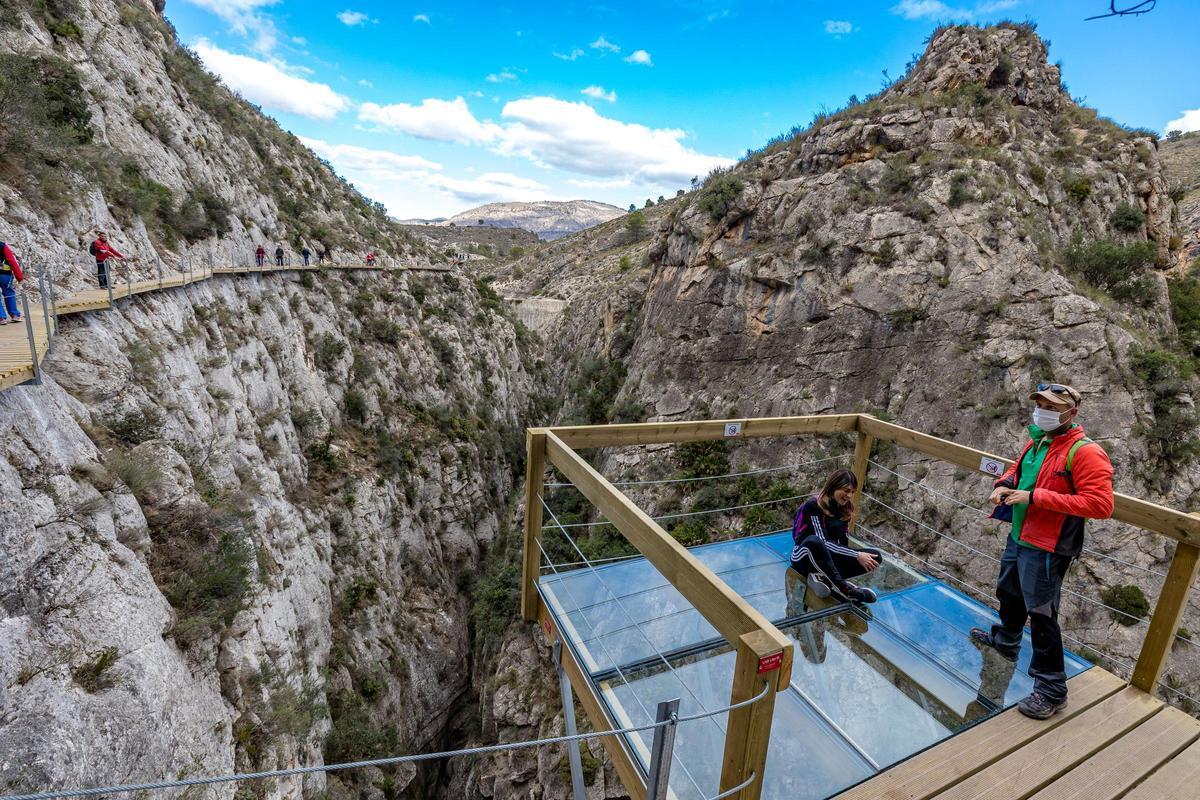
[870,685]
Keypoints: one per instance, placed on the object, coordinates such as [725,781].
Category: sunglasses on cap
[1058,388]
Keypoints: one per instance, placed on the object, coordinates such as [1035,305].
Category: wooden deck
[1112,741]
[16,358]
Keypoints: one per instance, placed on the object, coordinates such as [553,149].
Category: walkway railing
[756,641]
[23,347]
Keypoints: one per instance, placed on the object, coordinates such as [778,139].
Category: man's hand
[1016,497]
[868,561]
[998,495]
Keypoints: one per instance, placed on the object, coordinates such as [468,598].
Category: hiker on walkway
[279,255]
[822,551]
[370,259]
[321,258]
[103,251]
[305,254]
[10,273]
[260,256]
[1060,479]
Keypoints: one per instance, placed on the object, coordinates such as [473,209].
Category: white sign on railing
[991,466]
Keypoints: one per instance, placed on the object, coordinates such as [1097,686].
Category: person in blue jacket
[822,551]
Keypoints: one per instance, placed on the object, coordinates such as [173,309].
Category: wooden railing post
[860,465]
[1168,612]
[760,661]
[535,465]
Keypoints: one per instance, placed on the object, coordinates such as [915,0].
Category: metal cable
[617,666]
[670,667]
[376,762]
[714,477]
[687,513]
[732,791]
[985,513]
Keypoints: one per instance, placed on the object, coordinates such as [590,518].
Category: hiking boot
[819,586]
[1038,706]
[3,320]
[982,638]
[858,594]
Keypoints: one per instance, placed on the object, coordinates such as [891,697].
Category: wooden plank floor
[1112,741]
[16,356]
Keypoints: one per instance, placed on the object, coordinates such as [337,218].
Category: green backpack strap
[1071,462]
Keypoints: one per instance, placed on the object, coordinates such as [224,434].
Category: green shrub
[354,735]
[355,405]
[93,676]
[1037,174]
[322,458]
[213,586]
[1127,218]
[635,225]
[140,425]
[887,254]
[898,179]
[1185,309]
[1171,433]
[1118,269]
[625,264]
[691,531]
[385,330]
[136,471]
[720,191]
[329,351]
[1130,603]
[497,596]
[704,459]
[595,389]
[905,318]
[1078,188]
[442,349]
[358,595]
[959,194]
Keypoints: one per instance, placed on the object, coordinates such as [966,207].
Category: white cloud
[571,56]
[604,44]
[938,10]
[300,40]
[244,18]
[422,18]
[556,134]
[412,186]
[352,18]
[269,85]
[1190,121]
[838,28]
[366,83]
[573,136]
[439,120]
[640,57]
[500,77]
[598,93]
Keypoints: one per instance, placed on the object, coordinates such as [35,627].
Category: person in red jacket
[1061,479]
[260,255]
[10,272]
[103,251]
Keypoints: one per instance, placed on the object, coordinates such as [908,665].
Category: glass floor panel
[870,686]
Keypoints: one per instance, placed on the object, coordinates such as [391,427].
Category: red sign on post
[768,663]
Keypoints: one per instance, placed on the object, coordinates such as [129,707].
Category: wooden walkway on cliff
[17,360]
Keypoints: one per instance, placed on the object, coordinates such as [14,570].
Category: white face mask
[1047,419]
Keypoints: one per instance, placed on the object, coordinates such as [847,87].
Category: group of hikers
[1060,479]
[260,255]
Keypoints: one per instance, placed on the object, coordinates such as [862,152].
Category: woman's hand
[998,495]
[1016,498]
[868,561]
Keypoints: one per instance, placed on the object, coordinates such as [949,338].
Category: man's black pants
[814,554]
[279,261]
[1029,587]
[102,274]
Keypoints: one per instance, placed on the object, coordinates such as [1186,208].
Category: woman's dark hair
[838,480]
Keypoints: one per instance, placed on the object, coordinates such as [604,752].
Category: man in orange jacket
[1061,479]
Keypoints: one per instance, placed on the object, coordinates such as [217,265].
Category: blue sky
[434,108]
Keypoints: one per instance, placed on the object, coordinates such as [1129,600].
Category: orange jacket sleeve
[11,259]
[1093,499]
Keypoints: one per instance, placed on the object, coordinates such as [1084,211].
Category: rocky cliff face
[926,255]
[243,523]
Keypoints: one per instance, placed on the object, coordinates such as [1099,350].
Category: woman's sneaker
[859,594]
[818,585]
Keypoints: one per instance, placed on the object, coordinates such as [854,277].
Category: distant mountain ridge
[549,219]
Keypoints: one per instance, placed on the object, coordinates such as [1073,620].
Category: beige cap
[1057,393]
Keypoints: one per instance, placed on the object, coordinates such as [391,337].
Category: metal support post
[54,305]
[128,281]
[108,282]
[37,368]
[568,701]
[45,312]
[158,266]
[661,750]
